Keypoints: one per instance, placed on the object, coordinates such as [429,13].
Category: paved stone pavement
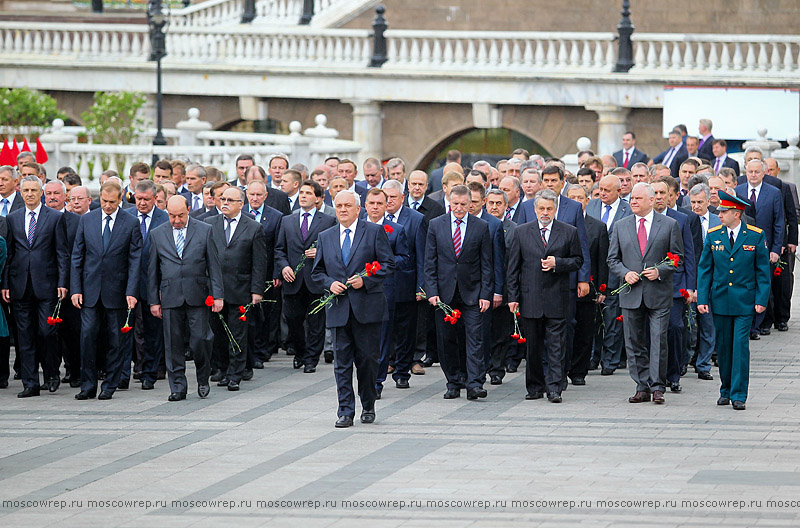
[269,455]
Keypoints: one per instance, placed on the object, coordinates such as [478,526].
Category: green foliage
[113,119]
[23,107]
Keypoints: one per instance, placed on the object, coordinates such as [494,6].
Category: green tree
[22,107]
[114,119]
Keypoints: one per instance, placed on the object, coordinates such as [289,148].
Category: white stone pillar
[188,129]
[789,161]
[367,128]
[612,123]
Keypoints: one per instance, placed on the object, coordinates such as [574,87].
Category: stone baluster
[789,161]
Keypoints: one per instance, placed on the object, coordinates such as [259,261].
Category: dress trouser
[405,335]
[733,354]
[69,336]
[450,353]
[356,345]
[545,338]
[32,328]
[200,340]
[676,343]
[647,364]
[503,325]
[152,350]
[307,339]
[613,336]
[91,319]
[585,330]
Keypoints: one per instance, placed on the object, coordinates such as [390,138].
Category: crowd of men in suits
[472,268]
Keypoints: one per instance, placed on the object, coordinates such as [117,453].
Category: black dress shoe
[3,384]
[17,376]
[148,385]
[233,385]
[764,331]
[705,376]
[379,391]
[223,382]
[177,396]
[402,384]
[161,374]
[28,392]
[607,372]
[85,395]
[53,384]
[188,356]
[309,369]
[297,362]
[66,379]
[683,370]
[247,375]
[534,396]
[368,416]
[452,394]
[328,356]
[105,395]
[738,405]
[511,368]
[137,375]
[675,387]
[258,365]
[123,385]
[476,392]
[579,381]
[754,336]
[216,375]
[496,380]
[593,365]
[782,327]
[427,363]
[554,397]
[74,383]
[203,390]
[723,401]
[344,421]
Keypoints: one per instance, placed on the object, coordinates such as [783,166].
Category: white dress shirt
[36,213]
[293,200]
[103,221]
[648,222]
[310,212]
[175,236]
[148,217]
[547,229]
[463,225]
[234,224]
[611,214]
[395,215]
[342,234]
[750,189]
[735,231]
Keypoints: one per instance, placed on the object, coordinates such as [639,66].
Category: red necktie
[642,236]
[625,164]
[457,238]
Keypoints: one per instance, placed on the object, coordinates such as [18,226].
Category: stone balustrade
[229,12]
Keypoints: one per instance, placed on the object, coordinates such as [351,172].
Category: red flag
[41,153]
[5,154]
[14,151]
[25,146]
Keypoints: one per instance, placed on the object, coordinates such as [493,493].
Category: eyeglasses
[229,200]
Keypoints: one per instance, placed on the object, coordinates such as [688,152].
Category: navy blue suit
[149,338]
[675,164]
[33,273]
[69,332]
[105,277]
[460,282]
[768,213]
[357,314]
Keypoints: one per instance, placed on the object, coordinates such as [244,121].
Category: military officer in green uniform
[732,279]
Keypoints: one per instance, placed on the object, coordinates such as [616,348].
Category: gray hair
[706,123]
[544,194]
[647,187]
[754,149]
[481,164]
[31,179]
[700,188]
[394,162]
[82,188]
[528,164]
[145,186]
[25,154]
[393,184]
[59,183]
[498,192]
[197,168]
[573,186]
[514,161]
[514,180]
[348,192]
[10,169]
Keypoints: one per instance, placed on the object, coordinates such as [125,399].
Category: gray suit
[180,285]
[646,302]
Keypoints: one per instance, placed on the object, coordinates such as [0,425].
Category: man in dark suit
[417,200]
[360,308]
[629,154]
[610,209]
[542,255]
[768,210]
[674,155]
[373,178]
[276,198]
[705,148]
[195,180]
[459,273]
[104,282]
[35,276]
[240,243]
[297,234]
[348,170]
[435,181]
[502,320]
[513,189]
[147,332]
[184,269]
[208,201]
[409,283]
[587,313]
[10,200]
[720,150]
[290,184]
[637,254]
[260,318]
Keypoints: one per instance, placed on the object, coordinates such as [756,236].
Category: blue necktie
[143,227]
[107,233]
[180,243]
[416,205]
[4,212]
[32,229]
[390,217]
[346,247]
[605,215]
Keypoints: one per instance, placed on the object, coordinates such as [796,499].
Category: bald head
[178,211]
[452,166]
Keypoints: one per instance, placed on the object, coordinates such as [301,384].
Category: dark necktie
[753,197]
[228,222]
[544,239]
[416,205]
[107,233]
[346,247]
[304,226]
[508,213]
[642,235]
[143,227]
[730,232]
[31,228]
[457,238]
[390,217]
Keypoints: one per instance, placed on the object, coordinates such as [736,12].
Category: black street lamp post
[156,20]
[308,12]
[249,13]
[625,49]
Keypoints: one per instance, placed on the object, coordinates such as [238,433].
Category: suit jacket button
[731,271]
[731,259]
[730,284]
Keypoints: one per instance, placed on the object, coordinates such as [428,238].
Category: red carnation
[51,321]
[209,301]
[619,318]
[603,288]
[376,266]
[521,340]
[591,278]
[777,272]
[369,269]
[453,321]
[515,336]
[242,309]
[125,329]
[59,320]
[388,229]
[243,318]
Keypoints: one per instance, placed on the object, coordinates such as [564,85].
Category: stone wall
[650,16]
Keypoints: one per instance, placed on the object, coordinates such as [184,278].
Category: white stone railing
[229,12]
[522,51]
[725,54]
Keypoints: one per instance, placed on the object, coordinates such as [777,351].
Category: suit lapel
[190,229]
[360,227]
[239,228]
[657,221]
[737,244]
[555,233]
[40,223]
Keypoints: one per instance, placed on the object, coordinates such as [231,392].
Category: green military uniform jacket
[733,280]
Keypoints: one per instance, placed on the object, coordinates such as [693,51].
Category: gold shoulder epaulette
[717,228]
[754,228]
